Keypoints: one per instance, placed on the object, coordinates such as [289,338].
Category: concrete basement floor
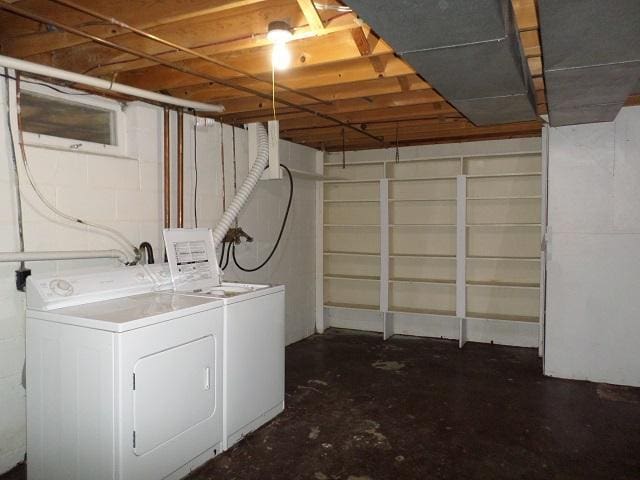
[359,408]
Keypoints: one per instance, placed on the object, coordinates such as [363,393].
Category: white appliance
[253,350]
[123,382]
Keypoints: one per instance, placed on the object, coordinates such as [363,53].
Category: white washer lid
[128,313]
[192,258]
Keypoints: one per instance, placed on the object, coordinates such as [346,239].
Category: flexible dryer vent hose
[244,192]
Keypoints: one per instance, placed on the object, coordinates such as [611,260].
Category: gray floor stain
[391,366]
[617,393]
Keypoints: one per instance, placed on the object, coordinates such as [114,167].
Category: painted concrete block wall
[593,266]
[125,192]
[294,262]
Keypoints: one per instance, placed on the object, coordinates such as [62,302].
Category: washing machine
[123,381]
[254,334]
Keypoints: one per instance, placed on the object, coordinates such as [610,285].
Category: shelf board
[422,225]
[503,284]
[422,179]
[423,280]
[351,164]
[419,255]
[503,225]
[353,254]
[351,225]
[352,306]
[499,175]
[367,180]
[352,201]
[405,200]
[422,311]
[523,259]
[508,197]
[496,316]
[352,277]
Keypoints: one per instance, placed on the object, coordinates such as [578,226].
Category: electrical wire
[195,168]
[235,170]
[273,90]
[14,166]
[47,203]
[282,227]
[221,259]
[224,199]
[226,263]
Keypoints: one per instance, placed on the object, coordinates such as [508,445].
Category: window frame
[62,143]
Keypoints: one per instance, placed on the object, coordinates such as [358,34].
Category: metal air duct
[467,50]
[591,52]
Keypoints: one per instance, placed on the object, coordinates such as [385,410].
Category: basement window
[78,123]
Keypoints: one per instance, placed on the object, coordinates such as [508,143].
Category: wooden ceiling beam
[295,120]
[238,33]
[331,73]
[429,136]
[347,91]
[351,106]
[460,138]
[311,14]
[24,38]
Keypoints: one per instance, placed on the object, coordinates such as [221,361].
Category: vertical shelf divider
[461,254]
[319,227]
[387,318]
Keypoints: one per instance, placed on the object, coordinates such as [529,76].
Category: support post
[320,326]
[461,256]
[387,318]
[543,237]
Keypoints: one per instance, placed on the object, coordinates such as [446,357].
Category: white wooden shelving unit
[454,240]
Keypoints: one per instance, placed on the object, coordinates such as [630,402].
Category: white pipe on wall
[61,255]
[37,69]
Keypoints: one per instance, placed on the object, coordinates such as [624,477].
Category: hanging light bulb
[280,56]
[280,33]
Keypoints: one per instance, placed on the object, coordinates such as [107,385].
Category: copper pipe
[175,46]
[180,222]
[178,67]
[167,169]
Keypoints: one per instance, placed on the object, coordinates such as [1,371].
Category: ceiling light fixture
[279,34]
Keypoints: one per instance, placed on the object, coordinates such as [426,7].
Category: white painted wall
[593,267]
[126,193]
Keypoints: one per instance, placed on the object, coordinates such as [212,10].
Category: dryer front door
[163,383]
[171,403]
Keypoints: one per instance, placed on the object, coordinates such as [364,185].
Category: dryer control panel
[65,289]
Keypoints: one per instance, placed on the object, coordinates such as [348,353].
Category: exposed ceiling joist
[311,14]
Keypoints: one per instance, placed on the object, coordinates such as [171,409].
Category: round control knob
[61,287]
